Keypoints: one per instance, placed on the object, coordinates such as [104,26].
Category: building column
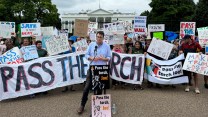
[96,19]
[104,19]
[68,26]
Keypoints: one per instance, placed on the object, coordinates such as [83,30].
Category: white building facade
[100,16]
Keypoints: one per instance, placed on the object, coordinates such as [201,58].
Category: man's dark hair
[37,42]
[101,33]
[187,37]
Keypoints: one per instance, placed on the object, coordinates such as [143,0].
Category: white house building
[100,15]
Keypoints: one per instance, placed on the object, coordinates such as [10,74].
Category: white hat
[148,38]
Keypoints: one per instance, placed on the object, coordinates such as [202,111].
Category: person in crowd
[137,49]
[88,41]
[9,45]
[190,46]
[119,49]
[205,77]
[101,58]
[71,50]
[41,53]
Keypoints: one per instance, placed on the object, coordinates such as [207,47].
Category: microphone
[95,50]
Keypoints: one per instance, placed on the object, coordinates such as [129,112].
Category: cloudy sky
[138,6]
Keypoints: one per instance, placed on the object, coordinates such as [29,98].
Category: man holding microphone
[98,53]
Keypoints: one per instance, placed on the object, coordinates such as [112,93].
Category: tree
[171,12]
[25,11]
[145,13]
[201,14]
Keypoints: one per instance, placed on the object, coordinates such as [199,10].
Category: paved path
[151,102]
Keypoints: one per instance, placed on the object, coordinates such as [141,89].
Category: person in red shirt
[190,46]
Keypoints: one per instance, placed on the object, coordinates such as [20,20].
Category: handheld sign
[13,56]
[101,105]
[29,52]
[28,29]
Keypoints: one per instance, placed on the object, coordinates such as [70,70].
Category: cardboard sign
[5,31]
[47,31]
[127,68]
[101,105]
[155,28]
[160,48]
[196,63]
[187,28]
[203,36]
[13,56]
[12,25]
[30,29]
[140,24]
[56,44]
[165,72]
[92,27]
[81,28]
[29,52]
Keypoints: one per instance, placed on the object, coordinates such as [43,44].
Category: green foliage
[25,11]
[201,14]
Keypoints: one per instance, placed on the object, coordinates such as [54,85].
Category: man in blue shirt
[98,53]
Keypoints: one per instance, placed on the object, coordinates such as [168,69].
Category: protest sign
[187,28]
[155,28]
[81,44]
[165,72]
[42,74]
[140,24]
[81,28]
[13,56]
[11,24]
[130,35]
[114,28]
[29,29]
[5,31]
[203,36]
[29,52]
[2,49]
[206,49]
[116,39]
[127,68]
[92,27]
[158,35]
[56,44]
[92,36]
[160,48]
[101,105]
[128,27]
[100,77]
[197,63]
[47,31]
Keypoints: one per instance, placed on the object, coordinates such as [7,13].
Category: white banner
[140,24]
[197,63]
[127,68]
[42,74]
[30,29]
[165,72]
[13,56]
[160,48]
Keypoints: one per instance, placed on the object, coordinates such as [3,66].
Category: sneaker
[80,110]
[187,89]
[197,91]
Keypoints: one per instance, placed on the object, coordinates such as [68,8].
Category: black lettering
[49,72]
[35,75]
[122,65]
[63,67]
[113,64]
[5,77]
[72,66]
[136,68]
[21,76]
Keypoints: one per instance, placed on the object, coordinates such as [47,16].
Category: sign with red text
[13,56]
[30,29]
[187,28]
[140,24]
[203,36]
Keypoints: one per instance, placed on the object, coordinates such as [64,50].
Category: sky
[126,6]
